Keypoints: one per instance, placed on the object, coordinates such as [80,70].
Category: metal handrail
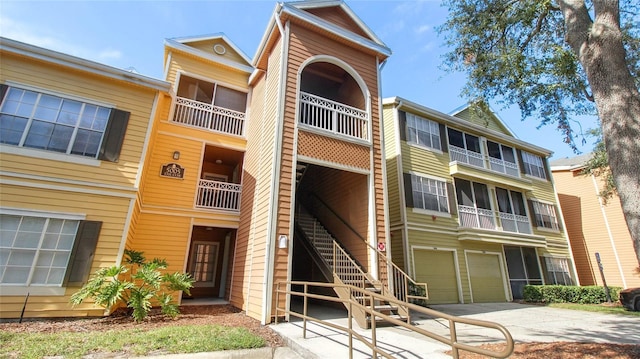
[403,294]
[452,340]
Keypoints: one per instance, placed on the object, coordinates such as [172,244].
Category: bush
[136,285]
[568,294]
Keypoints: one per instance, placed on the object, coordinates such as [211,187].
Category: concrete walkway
[526,323]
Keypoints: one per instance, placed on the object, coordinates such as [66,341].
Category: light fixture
[283,242]
[176,155]
[219,162]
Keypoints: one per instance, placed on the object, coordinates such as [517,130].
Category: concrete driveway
[526,323]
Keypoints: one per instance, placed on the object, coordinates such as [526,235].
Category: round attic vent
[219,49]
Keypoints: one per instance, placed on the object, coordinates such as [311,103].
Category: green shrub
[136,284]
[568,294]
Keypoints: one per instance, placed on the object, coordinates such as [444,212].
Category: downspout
[606,224]
[267,286]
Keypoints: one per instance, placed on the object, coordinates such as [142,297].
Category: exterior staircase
[340,267]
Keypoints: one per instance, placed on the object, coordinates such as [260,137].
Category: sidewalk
[526,323]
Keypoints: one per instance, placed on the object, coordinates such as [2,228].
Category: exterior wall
[254,234]
[594,228]
[205,69]
[103,191]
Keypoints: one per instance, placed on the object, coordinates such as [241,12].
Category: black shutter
[3,91]
[532,213]
[402,119]
[522,170]
[545,162]
[444,144]
[408,190]
[82,254]
[114,136]
[451,193]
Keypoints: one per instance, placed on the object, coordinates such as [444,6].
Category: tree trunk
[598,45]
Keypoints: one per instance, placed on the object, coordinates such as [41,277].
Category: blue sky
[131,34]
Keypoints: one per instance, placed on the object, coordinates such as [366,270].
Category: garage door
[487,282]
[438,270]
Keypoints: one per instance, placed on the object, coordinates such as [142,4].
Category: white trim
[431,212]
[167,65]
[609,233]
[505,276]
[327,133]
[68,189]
[334,165]
[420,174]
[210,80]
[125,232]
[215,36]
[225,266]
[211,57]
[81,64]
[49,155]
[383,164]
[270,245]
[66,181]
[456,264]
[42,214]
[401,189]
[425,148]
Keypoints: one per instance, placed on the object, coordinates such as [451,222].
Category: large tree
[557,60]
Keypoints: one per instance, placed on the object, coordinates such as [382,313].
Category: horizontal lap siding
[304,44]
[207,46]
[111,211]
[587,230]
[64,81]
[337,16]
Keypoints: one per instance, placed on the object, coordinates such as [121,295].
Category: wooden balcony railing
[319,112]
[209,117]
[218,195]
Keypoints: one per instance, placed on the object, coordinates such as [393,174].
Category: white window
[423,132]
[35,251]
[533,165]
[429,194]
[545,215]
[37,120]
[557,271]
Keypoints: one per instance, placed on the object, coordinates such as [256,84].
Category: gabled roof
[78,63]
[184,44]
[298,10]
[461,111]
[402,103]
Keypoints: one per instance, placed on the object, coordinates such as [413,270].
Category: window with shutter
[39,120]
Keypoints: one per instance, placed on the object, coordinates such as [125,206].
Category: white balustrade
[208,116]
[218,195]
[319,112]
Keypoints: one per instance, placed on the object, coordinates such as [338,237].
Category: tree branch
[541,18]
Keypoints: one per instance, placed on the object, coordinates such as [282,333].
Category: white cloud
[423,28]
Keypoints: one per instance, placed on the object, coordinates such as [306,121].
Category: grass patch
[599,308]
[166,340]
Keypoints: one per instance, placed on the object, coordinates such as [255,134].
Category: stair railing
[398,283]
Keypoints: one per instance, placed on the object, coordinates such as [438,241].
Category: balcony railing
[208,116]
[472,217]
[476,159]
[465,156]
[502,166]
[319,112]
[218,195]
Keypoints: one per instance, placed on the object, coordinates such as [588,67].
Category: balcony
[334,117]
[218,195]
[472,217]
[208,117]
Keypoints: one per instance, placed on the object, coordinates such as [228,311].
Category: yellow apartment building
[472,209]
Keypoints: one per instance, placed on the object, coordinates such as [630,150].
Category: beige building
[594,226]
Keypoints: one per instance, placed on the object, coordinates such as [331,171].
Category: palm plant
[137,283]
